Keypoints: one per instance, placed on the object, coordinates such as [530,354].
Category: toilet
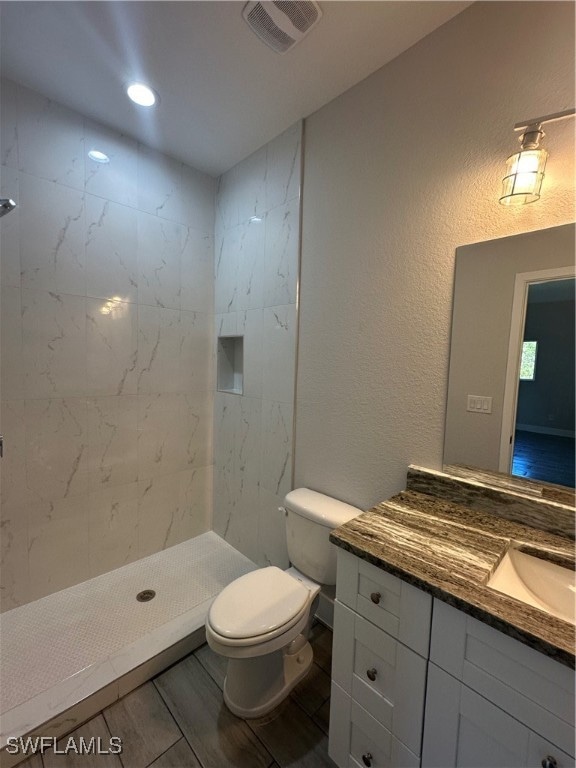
[261,621]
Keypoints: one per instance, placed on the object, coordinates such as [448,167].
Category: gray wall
[398,172]
[547,403]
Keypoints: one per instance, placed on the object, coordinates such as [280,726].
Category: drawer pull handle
[367,759]
[375,597]
[371,673]
[549,762]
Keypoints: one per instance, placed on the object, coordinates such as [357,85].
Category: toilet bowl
[261,621]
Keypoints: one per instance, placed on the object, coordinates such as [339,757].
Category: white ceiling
[223,93]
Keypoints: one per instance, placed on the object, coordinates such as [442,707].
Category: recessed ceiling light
[98,157]
[141,94]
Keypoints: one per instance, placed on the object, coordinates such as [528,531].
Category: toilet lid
[257,603]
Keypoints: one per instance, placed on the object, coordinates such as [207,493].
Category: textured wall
[107,325]
[256,254]
[399,171]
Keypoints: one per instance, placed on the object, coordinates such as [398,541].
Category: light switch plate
[479,404]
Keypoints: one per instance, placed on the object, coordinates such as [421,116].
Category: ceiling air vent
[282,24]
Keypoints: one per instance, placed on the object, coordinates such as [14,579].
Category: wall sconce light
[525,169]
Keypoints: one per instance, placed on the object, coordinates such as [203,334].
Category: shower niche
[230,364]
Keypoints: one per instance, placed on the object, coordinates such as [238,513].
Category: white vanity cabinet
[465,729]
[493,701]
[379,661]
[416,682]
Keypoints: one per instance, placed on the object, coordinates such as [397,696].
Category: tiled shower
[256,269]
[107,371]
[116,280]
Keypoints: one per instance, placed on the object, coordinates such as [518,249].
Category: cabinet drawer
[358,740]
[387,679]
[464,729]
[532,687]
[400,609]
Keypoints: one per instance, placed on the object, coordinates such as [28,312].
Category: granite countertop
[450,551]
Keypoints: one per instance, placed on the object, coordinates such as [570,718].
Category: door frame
[517,322]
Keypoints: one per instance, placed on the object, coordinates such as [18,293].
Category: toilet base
[253,687]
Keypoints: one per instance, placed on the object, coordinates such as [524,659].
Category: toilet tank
[310,516]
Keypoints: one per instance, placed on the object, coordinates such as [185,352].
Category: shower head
[6,205]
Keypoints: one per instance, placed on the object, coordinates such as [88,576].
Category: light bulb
[141,94]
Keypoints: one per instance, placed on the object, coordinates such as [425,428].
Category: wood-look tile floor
[544,457]
[179,720]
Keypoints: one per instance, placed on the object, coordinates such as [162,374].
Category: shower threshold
[70,654]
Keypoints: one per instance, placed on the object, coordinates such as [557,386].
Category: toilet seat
[258,607]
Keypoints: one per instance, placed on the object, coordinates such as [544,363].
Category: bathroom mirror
[495,286]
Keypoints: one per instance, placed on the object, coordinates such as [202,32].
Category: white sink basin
[537,582]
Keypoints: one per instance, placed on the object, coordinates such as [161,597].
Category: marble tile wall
[107,374]
[256,277]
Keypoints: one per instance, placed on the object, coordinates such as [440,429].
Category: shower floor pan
[68,655]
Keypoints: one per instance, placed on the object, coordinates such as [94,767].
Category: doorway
[538,434]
